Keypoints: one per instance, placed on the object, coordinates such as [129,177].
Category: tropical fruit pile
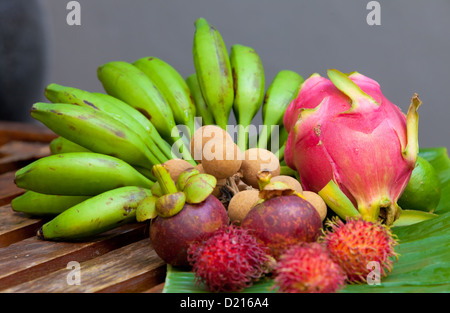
[232,203]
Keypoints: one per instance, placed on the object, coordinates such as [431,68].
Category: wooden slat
[32,258]
[16,154]
[132,268]
[155,289]
[15,226]
[8,190]
[24,132]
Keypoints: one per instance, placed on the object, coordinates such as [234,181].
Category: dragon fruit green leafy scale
[350,144]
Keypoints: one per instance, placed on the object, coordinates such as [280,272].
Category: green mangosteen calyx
[168,198]
[269,189]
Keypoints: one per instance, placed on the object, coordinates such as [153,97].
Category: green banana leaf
[424,251]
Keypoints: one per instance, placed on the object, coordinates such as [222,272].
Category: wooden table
[121,260]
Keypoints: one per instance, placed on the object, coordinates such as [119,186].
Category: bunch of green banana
[95,131]
[95,215]
[249,80]
[78,174]
[202,109]
[213,69]
[128,83]
[115,108]
[173,87]
[282,90]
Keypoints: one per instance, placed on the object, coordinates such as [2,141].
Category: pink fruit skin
[360,148]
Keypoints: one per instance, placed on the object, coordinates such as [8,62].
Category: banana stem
[264,136]
[165,148]
[166,182]
[280,152]
[242,140]
[156,152]
[181,146]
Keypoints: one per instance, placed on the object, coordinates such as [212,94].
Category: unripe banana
[78,174]
[213,69]
[129,84]
[95,215]
[119,111]
[282,90]
[202,109]
[162,144]
[249,88]
[95,131]
[173,87]
[61,145]
[38,204]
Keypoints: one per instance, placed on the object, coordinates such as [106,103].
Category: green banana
[119,111]
[78,174]
[95,215]
[62,145]
[162,144]
[202,109]
[38,204]
[282,90]
[213,69]
[249,88]
[95,131]
[173,87]
[126,82]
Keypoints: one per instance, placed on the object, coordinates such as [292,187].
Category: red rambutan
[308,268]
[357,243]
[229,260]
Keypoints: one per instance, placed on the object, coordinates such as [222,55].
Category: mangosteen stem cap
[264,178]
[166,182]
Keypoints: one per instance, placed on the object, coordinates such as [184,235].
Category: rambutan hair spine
[361,248]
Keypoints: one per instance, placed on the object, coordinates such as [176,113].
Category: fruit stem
[338,201]
[181,146]
[242,138]
[163,177]
[263,179]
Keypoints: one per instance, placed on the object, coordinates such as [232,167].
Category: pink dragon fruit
[352,145]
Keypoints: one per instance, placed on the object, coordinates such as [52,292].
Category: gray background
[409,52]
